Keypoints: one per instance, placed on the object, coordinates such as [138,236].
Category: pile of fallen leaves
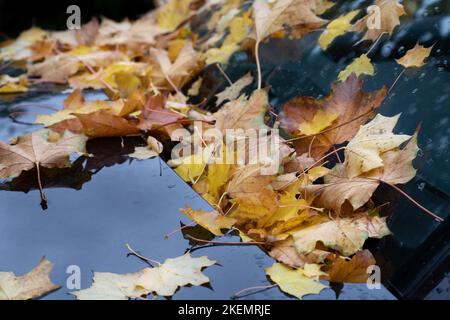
[312,215]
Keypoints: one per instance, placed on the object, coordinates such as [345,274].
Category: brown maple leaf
[352,106]
[382,17]
[39,150]
[351,271]
[104,124]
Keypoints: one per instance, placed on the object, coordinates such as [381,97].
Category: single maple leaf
[351,271]
[213,221]
[396,168]
[359,66]
[34,284]
[336,28]
[415,57]
[362,153]
[293,281]
[382,17]
[35,150]
[162,280]
[112,286]
[347,100]
[104,124]
[346,235]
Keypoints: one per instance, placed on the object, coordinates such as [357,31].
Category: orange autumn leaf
[352,106]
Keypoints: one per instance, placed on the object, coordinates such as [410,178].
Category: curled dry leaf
[362,153]
[34,284]
[272,18]
[153,149]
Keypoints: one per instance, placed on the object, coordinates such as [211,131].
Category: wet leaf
[354,270]
[34,284]
[415,57]
[35,149]
[336,28]
[359,66]
[347,100]
[383,17]
[346,235]
[293,282]
[213,221]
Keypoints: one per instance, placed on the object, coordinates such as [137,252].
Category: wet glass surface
[131,202]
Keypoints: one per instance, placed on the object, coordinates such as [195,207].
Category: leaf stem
[148,260]
[258,65]
[41,189]
[407,196]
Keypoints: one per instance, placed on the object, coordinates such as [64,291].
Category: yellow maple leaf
[336,28]
[173,13]
[293,281]
[210,220]
[361,65]
[13,84]
[415,57]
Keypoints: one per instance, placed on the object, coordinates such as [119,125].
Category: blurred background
[16,16]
